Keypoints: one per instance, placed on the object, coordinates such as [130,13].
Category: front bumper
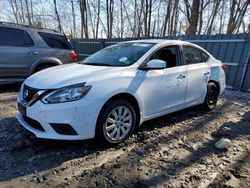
[81,115]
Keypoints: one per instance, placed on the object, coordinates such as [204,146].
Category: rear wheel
[211,97]
[116,122]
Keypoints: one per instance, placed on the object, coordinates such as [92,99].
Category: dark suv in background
[25,50]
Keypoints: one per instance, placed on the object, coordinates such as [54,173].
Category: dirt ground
[176,150]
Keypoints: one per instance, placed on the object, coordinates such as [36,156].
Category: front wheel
[116,122]
[211,97]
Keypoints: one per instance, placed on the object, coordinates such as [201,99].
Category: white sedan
[116,89]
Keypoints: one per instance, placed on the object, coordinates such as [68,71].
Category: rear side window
[192,55]
[204,56]
[14,37]
[55,41]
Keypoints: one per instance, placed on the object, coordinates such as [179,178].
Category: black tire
[101,133]
[211,96]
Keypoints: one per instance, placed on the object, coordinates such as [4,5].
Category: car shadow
[132,160]
[22,153]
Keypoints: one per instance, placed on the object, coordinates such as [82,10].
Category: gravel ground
[176,150]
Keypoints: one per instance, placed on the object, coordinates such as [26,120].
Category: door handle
[181,76]
[34,53]
[206,73]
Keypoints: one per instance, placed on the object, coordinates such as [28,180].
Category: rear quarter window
[15,37]
[55,41]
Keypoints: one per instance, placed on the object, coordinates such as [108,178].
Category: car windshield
[122,54]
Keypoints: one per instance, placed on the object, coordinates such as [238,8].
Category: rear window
[55,41]
[14,37]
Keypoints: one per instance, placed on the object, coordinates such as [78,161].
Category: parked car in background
[113,91]
[25,50]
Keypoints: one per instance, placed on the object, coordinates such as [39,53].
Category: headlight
[67,94]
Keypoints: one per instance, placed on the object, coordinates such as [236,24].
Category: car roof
[27,27]
[160,41]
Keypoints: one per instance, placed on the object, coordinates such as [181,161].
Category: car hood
[65,75]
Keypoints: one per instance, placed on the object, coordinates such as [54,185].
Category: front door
[164,90]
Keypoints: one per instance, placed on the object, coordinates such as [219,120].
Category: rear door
[59,46]
[15,52]
[198,73]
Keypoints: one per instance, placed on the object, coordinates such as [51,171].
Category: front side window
[167,54]
[191,55]
[122,54]
[14,37]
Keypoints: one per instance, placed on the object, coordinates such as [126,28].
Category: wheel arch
[129,97]
[216,83]
[42,62]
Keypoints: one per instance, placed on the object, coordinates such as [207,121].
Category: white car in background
[116,89]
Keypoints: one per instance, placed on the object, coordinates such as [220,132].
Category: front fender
[137,98]
[110,95]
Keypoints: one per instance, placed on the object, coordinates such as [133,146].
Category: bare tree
[132,18]
[99,22]
[28,15]
[84,18]
[57,16]
[32,11]
[174,19]
[15,10]
[149,17]
[154,25]
[222,16]
[128,19]
[237,12]
[192,16]
[21,11]
[138,16]
[166,18]
[73,16]
[147,13]
[110,16]
[216,7]
[98,18]
[121,19]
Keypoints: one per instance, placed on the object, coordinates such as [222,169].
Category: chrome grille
[29,92]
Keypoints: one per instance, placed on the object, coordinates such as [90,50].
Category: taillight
[73,56]
[224,68]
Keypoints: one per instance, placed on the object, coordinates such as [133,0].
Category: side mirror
[155,64]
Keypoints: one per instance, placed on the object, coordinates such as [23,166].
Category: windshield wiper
[97,64]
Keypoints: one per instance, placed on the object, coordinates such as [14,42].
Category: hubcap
[118,123]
